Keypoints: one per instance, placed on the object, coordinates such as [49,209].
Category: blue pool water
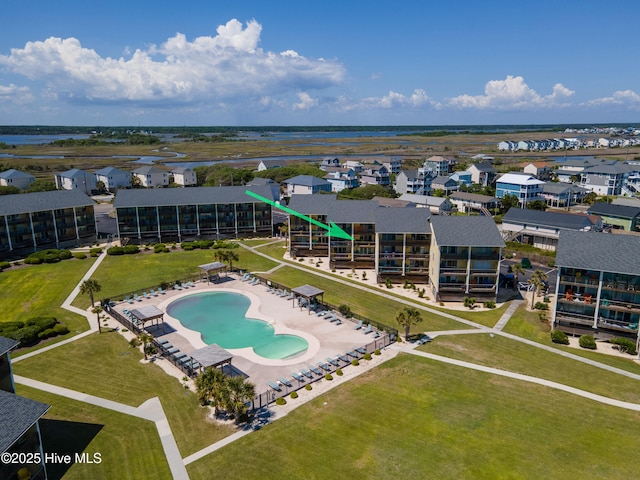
[220,318]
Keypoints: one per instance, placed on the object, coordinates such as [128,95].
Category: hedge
[33,330]
[558,336]
[587,341]
[4,265]
[625,345]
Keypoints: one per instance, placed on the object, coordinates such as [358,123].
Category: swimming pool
[220,318]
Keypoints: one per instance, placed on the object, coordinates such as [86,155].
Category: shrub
[41,322]
[388,283]
[367,356]
[308,387]
[115,251]
[377,351]
[134,342]
[97,251]
[339,372]
[469,302]
[490,304]
[187,248]
[49,332]
[355,362]
[131,249]
[158,247]
[79,255]
[4,265]
[294,395]
[61,329]
[345,310]
[32,261]
[281,401]
[541,306]
[558,336]
[587,341]
[328,377]
[625,345]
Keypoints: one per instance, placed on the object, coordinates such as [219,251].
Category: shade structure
[309,293]
[148,313]
[212,270]
[212,356]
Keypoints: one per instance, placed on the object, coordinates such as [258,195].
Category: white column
[198,219]
[6,225]
[55,228]
[138,222]
[33,233]
[178,223]
[598,295]
[468,270]
[158,221]
[404,252]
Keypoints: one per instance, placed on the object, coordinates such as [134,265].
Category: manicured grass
[129,447]
[506,354]
[371,306]
[39,290]
[414,418]
[106,366]
[119,275]
[256,242]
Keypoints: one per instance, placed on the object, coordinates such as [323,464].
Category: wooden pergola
[211,356]
[307,292]
[148,313]
[215,267]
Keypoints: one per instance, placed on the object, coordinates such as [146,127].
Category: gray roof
[17,415]
[402,220]
[148,169]
[7,344]
[42,201]
[181,170]
[459,231]
[443,180]
[75,172]
[357,211]
[556,188]
[143,197]
[599,251]
[613,210]
[483,167]
[307,181]
[261,181]
[212,266]
[313,204]
[111,171]
[571,221]
[148,312]
[211,355]
[307,291]
[393,202]
[13,173]
[607,168]
[428,200]
[473,197]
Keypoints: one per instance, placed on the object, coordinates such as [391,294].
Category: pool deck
[326,339]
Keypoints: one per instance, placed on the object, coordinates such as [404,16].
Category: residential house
[306,185]
[76,179]
[151,177]
[474,202]
[16,178]
[413,181]
[623,217]
[374,175]
[605,179]
[41,220]
[438,165]
[445,184]
[436,205]
[268,164]
[540,170]
[184,176]
[274,186]
[329,162]
[598,286]
[341,178]
[113,178]
[524,186]
[19,425]
[558,194]
[542,229]
[465,258]
[394,165]
[183,214]
[354,165]
[463,177]
[482,173]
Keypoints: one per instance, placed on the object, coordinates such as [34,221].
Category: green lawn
[39,290]
[104,365]
[376,308]
[414,418]
[129,447]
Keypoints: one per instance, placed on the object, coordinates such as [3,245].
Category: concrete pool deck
[325,339]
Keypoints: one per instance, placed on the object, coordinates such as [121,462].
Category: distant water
[37,139]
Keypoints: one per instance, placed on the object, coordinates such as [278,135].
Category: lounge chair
[177,287]
[160,291]
[153,292]
[298,377]
[136,297]
[166,346]
[163,341]
[128,299]
[360,350]
[284,381]
[291,296]
[173,350]
[275,386]
[320,313]
[316,370]
[359,325]
[333,361]
[353,354]
[306,373]
[343,358]
[334,318]
[368,330]
[145,295]
[338,322]
[195,365]
[376,334]
[184,285]
[284,293]
[191,284]
[324,366]
[245,277]
[328,314]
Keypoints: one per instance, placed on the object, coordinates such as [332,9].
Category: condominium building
[176,214]
[598,287]
[465,258]
[41,220]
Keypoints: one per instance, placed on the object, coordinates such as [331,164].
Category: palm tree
[227,256]
[89,287]
[98,310]
[239,392]
[408,317]
[517,269]
[211,386]
[145,338]
[538,280]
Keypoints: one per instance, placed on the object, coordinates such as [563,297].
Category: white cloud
[627,98]
[512,93]
[14,94]
[418,98]
[209,69]
[306,102]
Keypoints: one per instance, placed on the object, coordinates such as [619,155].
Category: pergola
[307,292]
[211,356]
[215,267]
[148,313]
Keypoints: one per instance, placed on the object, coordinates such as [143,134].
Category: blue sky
[319,63]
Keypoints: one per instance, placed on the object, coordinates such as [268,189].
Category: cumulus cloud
[15,94]
[627,98]
[512,93]
[306,102]
[209,68]
[418,98]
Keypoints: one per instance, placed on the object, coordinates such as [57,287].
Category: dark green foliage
[280,174]
[366,193]
[558,336]
[79,255]
[377,351]
[489,304]
[587,341]
[281,401]
[339,372]
[115,251]
[328,376]
[294,395]
[367,356]
[9,190]
[33,330]
[48,256]
[355,362]
[541,306]
[97,250]
[625,345]
[345,310]
[4,265]
[308,387]
[131,249]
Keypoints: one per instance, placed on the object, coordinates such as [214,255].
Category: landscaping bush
[115,251]
[49,332]
[345,310]
[294,395]
[355,362]
[97,251]
[79,255]
[32,261]
[308,387]
[377,351]
[625,345]
[33,330]
[328,377]
[339,372]
[587,341]
[489,304]
[4,265]
[131,249]
[541,306]
[469,302]
[60,329]
[367,356]
[281,401]
[158,247]
[558,336]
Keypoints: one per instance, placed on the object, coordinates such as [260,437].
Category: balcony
[616,325]
[580,280]
[620,306]
[569,317]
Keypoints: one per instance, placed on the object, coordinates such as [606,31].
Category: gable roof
[427,200]
[17,415]
[7,344]
[180,170]
[443,180]
[571,221]
[473,231]
[483,167]
[75,173]
[599,251]
[306,181]
[313,204]
[614,210]
[13,173]
[147,197]
[472,197]
[519,179]
[111,171]
[148,170]
[402,220]
[556,188]
[42,201]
